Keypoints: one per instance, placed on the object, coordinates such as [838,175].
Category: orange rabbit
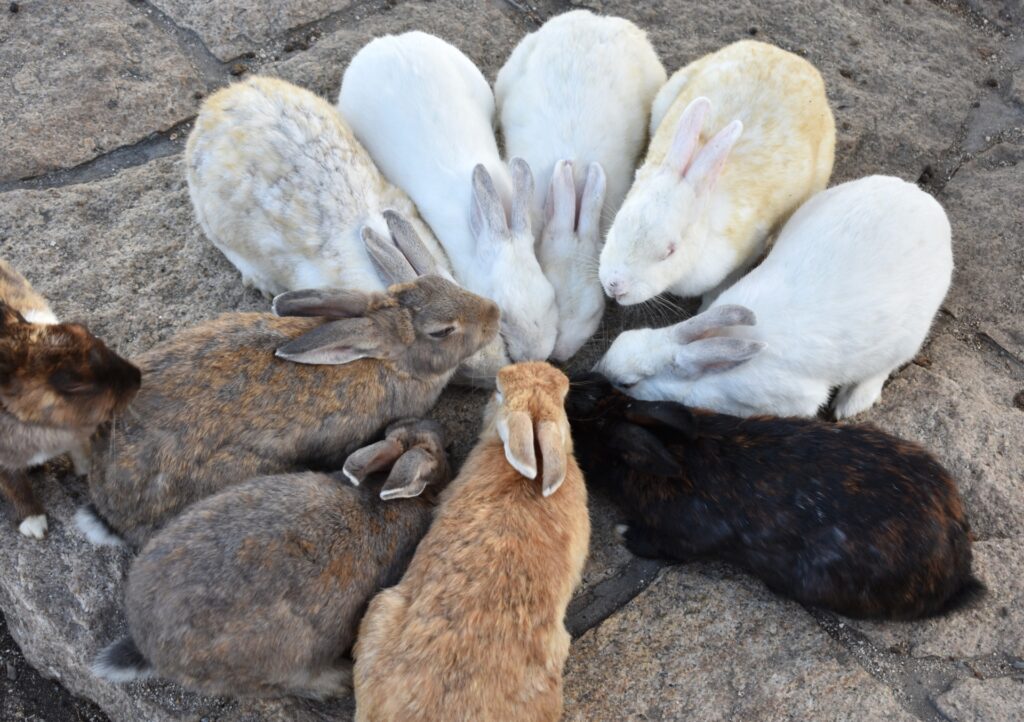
[474,631]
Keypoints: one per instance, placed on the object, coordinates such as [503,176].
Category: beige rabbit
[740,138]
[474,631]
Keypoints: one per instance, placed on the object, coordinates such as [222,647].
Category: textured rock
[709,643]
[80,79]
[230,27]
[993,625]
[975,700]
[962,408]
[987,232]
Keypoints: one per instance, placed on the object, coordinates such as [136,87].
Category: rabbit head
[413,450]
[402,258]
[511,274]
[60,374]
[666,363]
[527,410]
[660,231]
[427,326]
[569,248]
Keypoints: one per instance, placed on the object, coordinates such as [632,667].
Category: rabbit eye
[443,333]
[627,384]
[669,251]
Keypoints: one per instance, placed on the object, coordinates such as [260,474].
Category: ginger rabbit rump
[300,555]
[846,296]
[474,631]
[282,187]
[580,90]
[425,113]
[741,138]
[838,516]
[250,394]
[58,383]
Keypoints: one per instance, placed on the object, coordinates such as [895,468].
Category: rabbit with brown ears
[250,394]
[474,631]
[58,383]
[840,516]
[258,590]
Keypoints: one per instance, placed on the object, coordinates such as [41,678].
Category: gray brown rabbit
[259,589]
[251,394]
[58,382]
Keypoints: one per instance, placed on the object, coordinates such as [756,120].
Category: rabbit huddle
[296,530]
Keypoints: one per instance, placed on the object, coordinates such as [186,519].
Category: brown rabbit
[58,382]
[475,629]
[299,554]
[252,394]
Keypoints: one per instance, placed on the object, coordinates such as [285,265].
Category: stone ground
[98,96]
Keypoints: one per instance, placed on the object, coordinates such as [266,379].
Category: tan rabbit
[474,631]
[58,382]
[740,138]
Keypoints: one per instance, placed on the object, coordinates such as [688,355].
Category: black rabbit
[839,516]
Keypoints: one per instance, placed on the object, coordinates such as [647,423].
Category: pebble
[12,672]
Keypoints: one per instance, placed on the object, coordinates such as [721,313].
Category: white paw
[620,531]
[33,526]
[95,530]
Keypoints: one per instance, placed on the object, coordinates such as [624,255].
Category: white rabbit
[568,254]
[846,295]
[693,220]
[282,187]
[580,89]
[425,113]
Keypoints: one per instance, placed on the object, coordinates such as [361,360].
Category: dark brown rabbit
[259,589]
[251,394]
[839,516]
[58,382]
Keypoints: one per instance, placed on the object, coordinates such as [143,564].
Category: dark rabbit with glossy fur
[251,394]
[258,590]
[844,517]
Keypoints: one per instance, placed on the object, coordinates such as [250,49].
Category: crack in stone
[214,71]
[611,595]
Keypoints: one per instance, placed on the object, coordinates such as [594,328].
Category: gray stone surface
[929,90]
[976,700]
[230,28]
[707,643]
[82,78]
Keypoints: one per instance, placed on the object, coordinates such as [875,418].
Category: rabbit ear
[404,235]
[369,459]
[560,206]
[487,216]
[336,343]
[663,413]
[684,142]
[713,319]
[592,202]
[707,166]
[322,302]
[714,355]
[552,453]
[642,451]
[411,474]
[522,196]
[9,317]
[516,432]
[391,264]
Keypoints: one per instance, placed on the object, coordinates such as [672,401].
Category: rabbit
[281,186]
[58,384]
[579,89]
[844,517]
[425,113]
[298,554]
[474,630]
[846,296]
[252,394]
[705,200]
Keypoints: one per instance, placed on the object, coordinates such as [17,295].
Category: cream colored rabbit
[699,215]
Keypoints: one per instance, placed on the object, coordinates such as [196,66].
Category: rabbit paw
[636,541]
[34,526]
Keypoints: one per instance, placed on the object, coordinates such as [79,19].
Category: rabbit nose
[616,289]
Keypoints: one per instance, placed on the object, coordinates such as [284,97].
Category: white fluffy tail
[95,529]
[121,662]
